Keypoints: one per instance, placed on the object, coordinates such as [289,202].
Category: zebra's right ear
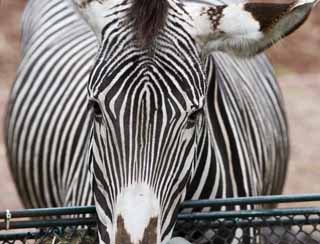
[93,12]
[245,29]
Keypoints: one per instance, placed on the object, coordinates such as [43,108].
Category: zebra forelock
[149,17]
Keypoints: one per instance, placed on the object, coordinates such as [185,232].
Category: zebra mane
[149,18]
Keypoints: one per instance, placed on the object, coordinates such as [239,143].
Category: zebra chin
[136,218]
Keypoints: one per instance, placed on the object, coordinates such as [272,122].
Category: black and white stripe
[166,123]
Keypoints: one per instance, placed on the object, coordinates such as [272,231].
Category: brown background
[296,60]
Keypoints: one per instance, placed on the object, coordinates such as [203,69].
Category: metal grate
[289,226]
[274,226]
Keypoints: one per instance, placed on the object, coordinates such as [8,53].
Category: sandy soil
[302,96]
[297,60]
[10,14]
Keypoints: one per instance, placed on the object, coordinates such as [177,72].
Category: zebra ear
[245,29]
[91,12]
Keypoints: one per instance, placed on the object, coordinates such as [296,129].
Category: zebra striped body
[242,137]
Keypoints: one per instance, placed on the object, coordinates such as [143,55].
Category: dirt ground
[297,61]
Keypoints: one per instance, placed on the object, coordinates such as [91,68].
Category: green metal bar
[44,212]
[49,223]
[251,200]
[21,236]
[30,213]
[249,213]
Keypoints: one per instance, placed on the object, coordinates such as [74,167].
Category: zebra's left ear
[93,12]
[245,29]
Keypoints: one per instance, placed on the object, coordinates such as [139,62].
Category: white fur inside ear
[94,13]
[240,32]
[237,22]
[201,26]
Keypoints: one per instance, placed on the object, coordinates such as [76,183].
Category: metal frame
[86,216]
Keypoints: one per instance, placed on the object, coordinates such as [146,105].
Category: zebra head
[148,90]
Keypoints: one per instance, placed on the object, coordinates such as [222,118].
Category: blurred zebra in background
[138,105]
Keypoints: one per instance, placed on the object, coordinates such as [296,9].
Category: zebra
[138,105]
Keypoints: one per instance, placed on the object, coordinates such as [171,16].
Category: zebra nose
[137,211]
[124,237]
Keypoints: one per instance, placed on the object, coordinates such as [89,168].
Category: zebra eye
[193,116]
[96,108]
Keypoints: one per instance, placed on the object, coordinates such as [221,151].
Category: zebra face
[147,98]
[147,120]
[147,92]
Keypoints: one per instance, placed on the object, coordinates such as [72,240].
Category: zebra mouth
[149,234]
